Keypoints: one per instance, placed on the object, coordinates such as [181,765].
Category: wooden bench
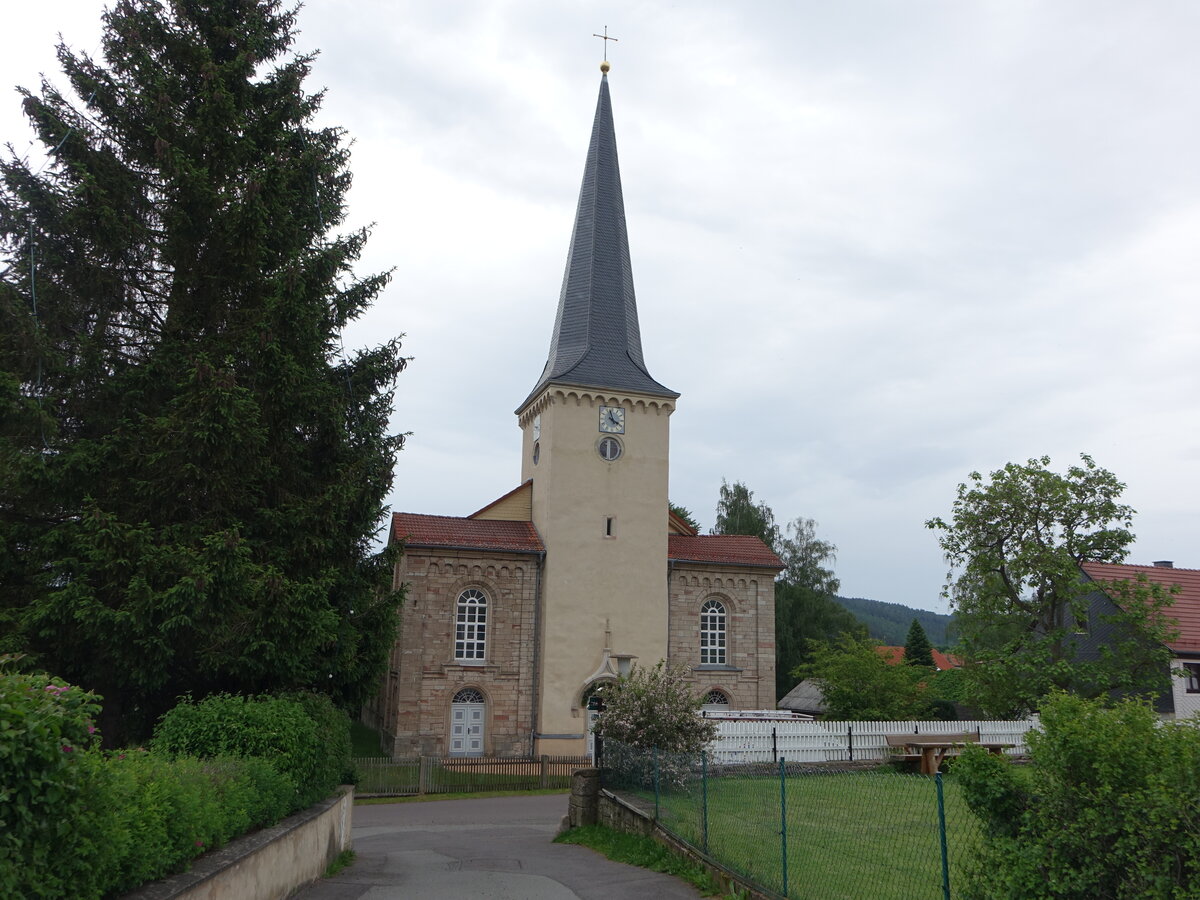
[932,749]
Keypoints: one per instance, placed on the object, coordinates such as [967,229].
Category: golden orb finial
[604,67]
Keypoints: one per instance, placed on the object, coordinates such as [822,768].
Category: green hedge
[76,822]
[153,815]
[1107,807]
[302,735]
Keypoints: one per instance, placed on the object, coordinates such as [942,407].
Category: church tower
[515,613]
[595,442]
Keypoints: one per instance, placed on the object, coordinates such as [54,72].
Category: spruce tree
[192,469]
[917,649]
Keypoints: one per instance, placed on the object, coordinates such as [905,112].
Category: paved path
[497,848]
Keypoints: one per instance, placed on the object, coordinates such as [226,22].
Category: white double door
[466,729]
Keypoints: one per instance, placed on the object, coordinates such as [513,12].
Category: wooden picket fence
[748,741]
[383,777]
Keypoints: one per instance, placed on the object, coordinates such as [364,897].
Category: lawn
[849,835]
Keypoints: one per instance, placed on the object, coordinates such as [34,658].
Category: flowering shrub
[45,731]
[655,708]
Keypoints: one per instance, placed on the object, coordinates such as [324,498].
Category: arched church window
[470,629]
[470,695]
[712,633]
[715,698]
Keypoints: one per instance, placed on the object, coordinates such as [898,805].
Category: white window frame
[713,633]
[1191,679]
[716,698]
[470,627]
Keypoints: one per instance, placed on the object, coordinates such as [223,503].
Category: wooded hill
[889,622]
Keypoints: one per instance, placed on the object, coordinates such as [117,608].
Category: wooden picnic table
[932,749]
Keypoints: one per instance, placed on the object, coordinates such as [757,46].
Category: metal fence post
[941,803]
[783,822]
[655,784]
[704,794]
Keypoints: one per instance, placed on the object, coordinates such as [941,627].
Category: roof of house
[805,697]
[728,549]
[457,533]
[596,341]
[1185,607]
[895,655]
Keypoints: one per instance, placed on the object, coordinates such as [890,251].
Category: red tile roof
[895,655]
[1186,605]
[727,549]
[454,532]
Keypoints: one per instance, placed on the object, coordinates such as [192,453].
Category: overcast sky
[876,245]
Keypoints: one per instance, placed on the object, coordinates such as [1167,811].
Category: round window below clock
[609,449]
[537,451]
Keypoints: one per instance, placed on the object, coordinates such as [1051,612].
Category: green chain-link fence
[808,831]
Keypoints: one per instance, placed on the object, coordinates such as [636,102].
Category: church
[517,613]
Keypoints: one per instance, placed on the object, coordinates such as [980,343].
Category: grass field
[849,835]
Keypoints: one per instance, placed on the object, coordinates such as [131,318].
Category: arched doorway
[593,705]
[467,713]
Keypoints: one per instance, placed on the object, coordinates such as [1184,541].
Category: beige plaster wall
[515,506]
[592,579]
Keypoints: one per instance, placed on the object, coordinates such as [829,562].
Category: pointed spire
[596,342]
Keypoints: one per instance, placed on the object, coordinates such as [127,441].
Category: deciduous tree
[1015,542]
[805,608]
[859,683]
[192,467]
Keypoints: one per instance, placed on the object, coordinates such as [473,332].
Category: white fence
[766,741]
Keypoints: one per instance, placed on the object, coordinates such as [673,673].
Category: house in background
[895,656]
[1184,698]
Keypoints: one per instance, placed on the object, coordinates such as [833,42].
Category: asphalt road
[497,848]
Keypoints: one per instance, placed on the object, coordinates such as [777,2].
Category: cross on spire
[604,37]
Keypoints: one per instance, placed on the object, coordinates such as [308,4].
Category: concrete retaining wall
[269,864]
[590,805]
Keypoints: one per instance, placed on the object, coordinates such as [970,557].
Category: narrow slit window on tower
[610,528]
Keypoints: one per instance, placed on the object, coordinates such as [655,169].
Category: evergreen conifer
[192,469]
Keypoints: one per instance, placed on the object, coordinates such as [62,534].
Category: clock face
[612,419]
